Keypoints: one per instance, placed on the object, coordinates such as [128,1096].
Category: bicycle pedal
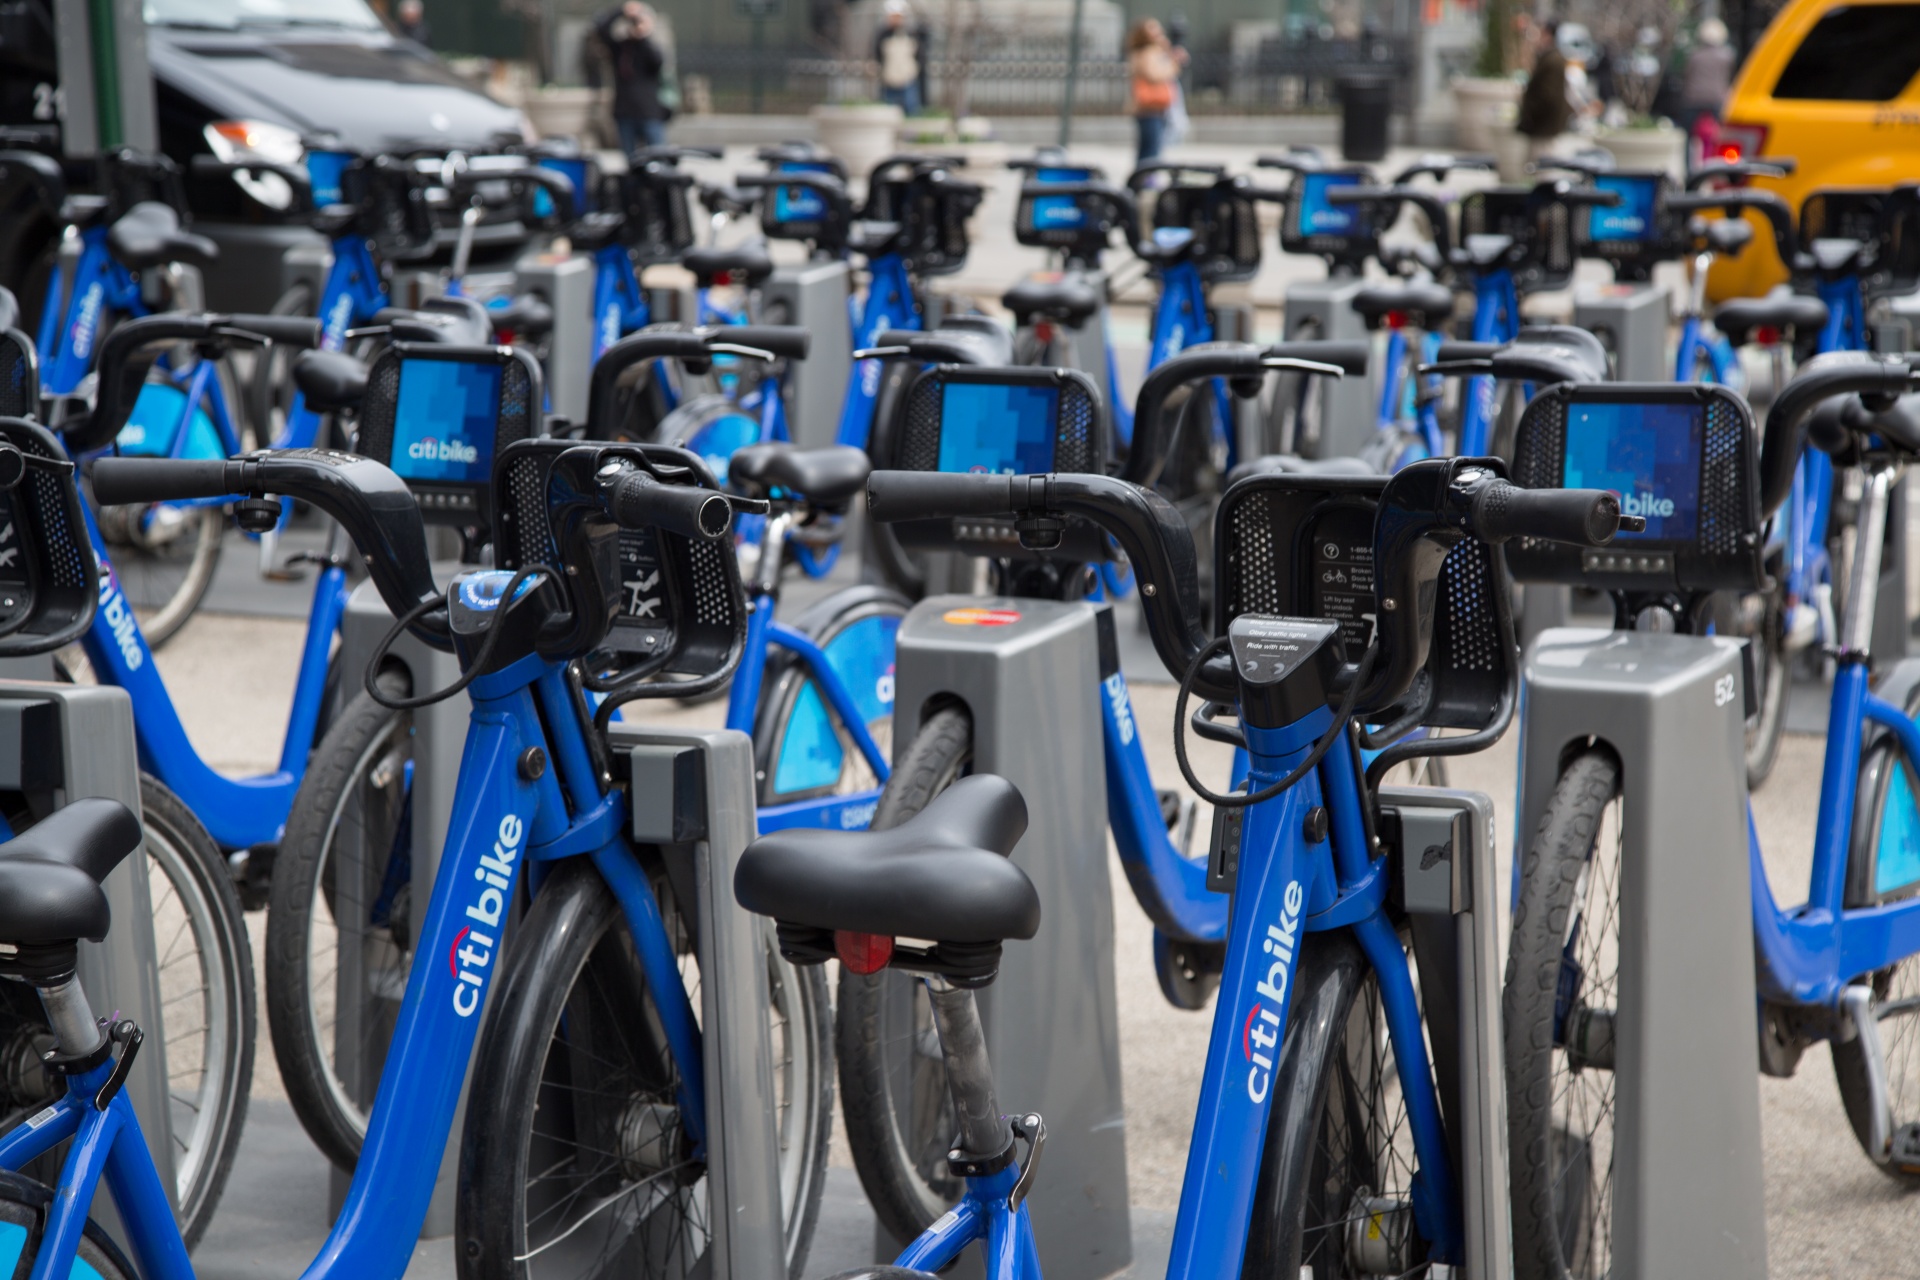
[1904,1151]
[252,870]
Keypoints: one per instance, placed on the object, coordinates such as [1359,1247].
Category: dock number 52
[1723,691]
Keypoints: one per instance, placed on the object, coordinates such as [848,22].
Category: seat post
[984,1132]
[70,1016]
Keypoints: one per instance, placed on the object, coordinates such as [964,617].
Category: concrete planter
[564,113]
[1663,147]
[1485,110]
[861,136]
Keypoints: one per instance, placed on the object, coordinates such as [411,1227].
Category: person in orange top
[1155,67]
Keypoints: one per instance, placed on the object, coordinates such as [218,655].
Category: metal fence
[1278,75]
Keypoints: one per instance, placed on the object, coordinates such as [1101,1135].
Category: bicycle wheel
[893,1080]
[575,1162]
[1334,1196]
[1562,985]
[802,749]
[342,879]
[23,1210]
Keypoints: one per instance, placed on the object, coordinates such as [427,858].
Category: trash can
[1366,105]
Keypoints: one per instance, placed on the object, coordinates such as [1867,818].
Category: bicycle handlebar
[1240,362]
[1431,204]
[1586,517]
[693,346]
[1770,205]
[1439,164]
[1719,171]
[1836,373]
[636,500]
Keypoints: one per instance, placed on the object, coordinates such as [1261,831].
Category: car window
[1862,53]
[234,14]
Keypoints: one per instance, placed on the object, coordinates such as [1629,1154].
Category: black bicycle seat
[1794,314]
[1166,245]
[1836,255]
[9,310]
[149,235]
[869,238]
[1292,465]
[827,477]
[595,231]
[1485,250]
[1727,235]
[741,263]
[527,316]
[942,875]
[50,876]
[1425,304]
[1069,300]
[330,380]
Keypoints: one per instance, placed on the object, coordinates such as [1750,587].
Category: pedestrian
[637,65]
[1155,70]
[412,23]
[897,47]
[1544,108]
[1708,76]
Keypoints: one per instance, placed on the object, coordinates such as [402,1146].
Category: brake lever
[735,349]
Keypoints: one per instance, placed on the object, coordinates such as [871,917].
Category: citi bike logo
[119,616]
[335,338]
[609,326]
[1646,505]
[1261,1035]
[431,450]
[1116,687]
[471,955]
[89,319]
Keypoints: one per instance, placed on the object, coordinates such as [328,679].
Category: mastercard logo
[980,617]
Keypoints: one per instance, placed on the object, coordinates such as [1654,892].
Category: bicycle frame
[889,304]
[1809,507]
[101,288]
[619,303]
[983,1215]
[1181,320]
[1286,888]
[1397,389]
[501,822]
[353,294]
[237,812]
[1496,318]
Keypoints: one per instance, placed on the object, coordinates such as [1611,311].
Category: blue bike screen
[1631,219]
[1648,454]
[798,204]
[998,429]
[444,421]
[1316,216]
[1057,213]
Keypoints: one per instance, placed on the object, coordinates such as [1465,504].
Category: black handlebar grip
[1584,517]
[636,500]
[120,481]
[933,495]
[286,331]
[788,341]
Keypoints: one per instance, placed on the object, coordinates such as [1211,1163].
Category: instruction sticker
[980,617]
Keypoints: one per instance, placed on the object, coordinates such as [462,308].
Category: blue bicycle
[602,1172]
[1319,1147]
[1838,967]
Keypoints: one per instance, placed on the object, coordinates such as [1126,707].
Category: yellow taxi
[1834,84]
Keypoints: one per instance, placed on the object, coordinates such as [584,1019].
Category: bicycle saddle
[1793,313]
[1288,464]
[595,231]
[50,876]
[870,239]
[827,477]
[9,310]
[1486,250]
[1166,245]
[1069,300]
[941,875]
[330,380]
[527,315]
[149,235]
[1426,304]
[1727,235]
[1836,255]
[732,201]
[736,264]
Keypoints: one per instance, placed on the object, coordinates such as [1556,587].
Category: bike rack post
[1051,1018]
[566,282]
[366,1000]
[1442,845]
[1636,317]
[1348,407]
[814,296]
[1892,633]
[692,797]
[1688,1195]
[64,742]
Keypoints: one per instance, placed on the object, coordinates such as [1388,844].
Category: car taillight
[1732,143]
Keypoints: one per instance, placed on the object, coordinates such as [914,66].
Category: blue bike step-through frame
[502,822]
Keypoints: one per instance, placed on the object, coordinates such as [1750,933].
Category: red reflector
[1766,335]
[1042,332]
[862,952]
[1396,319]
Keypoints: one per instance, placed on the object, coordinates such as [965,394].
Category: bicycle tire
[899,1144]
[354,795]
[211,1111]
[1319,1194]
[24,1204]
[796,732]
[572,963]
[1568,912]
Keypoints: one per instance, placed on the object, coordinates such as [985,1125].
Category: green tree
[1496,45]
